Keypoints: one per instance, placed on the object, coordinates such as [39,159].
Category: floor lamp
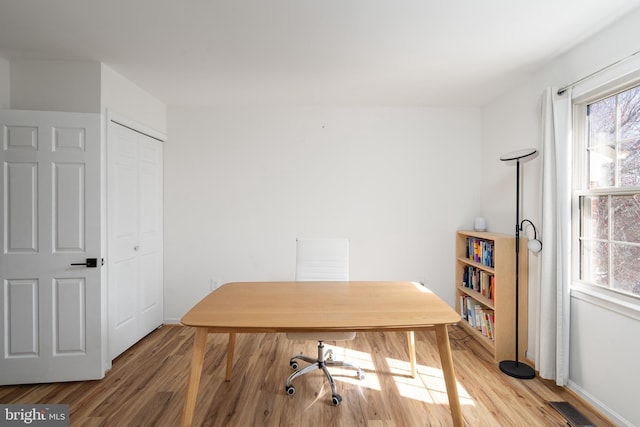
[515,368]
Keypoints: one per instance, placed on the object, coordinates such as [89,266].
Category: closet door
[134,232]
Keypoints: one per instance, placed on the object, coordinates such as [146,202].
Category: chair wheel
[336,399]
[361,375]
[291,390]
[293,364]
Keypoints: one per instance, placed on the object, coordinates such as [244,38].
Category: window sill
[609,300]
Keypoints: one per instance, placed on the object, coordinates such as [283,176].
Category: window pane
[602,122]
[602,166]
[595,217]
[626,218]
[602,143]
[629,105]
[626,268]
[595,262]
[630,163]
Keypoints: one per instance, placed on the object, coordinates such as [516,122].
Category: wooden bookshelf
[490,285]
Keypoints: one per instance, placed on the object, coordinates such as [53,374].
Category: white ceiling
[301,52]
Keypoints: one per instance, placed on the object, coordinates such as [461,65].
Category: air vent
[573,416]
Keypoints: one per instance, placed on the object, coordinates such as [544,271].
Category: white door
[51,309]
[134,199]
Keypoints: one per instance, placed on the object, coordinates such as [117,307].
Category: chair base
[322,362]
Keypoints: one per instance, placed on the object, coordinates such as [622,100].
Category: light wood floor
[147,384]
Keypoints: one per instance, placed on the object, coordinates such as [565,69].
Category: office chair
[321,260]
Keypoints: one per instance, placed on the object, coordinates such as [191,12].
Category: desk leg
[449,375]
[230,349]
[194,376]
[411,339]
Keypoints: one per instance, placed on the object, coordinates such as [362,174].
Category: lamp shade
[534,245]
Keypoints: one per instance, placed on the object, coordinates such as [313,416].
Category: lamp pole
[515,368]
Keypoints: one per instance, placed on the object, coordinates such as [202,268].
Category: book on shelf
[480,281]
[463,306]
[485,320]
[490,323]
[480,251]
[478,316]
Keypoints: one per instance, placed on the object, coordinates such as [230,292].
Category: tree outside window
[610,204]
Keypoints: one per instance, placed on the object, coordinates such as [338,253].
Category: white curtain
[552,331]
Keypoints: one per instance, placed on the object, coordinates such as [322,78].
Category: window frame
[608,297]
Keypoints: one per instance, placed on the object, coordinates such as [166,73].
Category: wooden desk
[320,306]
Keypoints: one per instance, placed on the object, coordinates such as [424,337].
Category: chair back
[322,259]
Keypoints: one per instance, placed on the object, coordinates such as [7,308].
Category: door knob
[90,263]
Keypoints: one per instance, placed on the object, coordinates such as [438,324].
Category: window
[608,192]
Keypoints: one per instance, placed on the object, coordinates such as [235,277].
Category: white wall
[5,84]
[604,347]
[77,86]
[55,85]
[125,98]
[242,183]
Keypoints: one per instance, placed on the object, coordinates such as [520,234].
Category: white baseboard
[613,416]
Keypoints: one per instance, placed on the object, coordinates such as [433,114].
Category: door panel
[21,137]
[151,295]
[21,207]
[122,203]
[50,218]
[135,236]
[22,318]
[122,281]
[150,226]
[70,312]
[69,207]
